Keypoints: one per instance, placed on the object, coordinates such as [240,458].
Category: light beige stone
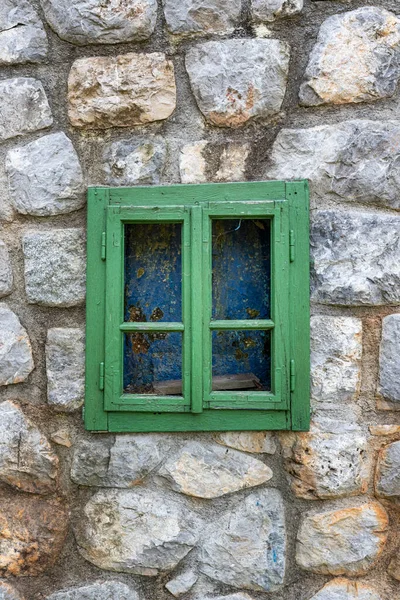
[344,589]
[257,442]
[121,91]
[347,541]
[209,471]
[384,430]
[205,161]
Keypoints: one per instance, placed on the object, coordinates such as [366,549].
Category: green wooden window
[198,308]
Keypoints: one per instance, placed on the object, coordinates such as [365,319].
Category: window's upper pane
[241,267]
[153,272]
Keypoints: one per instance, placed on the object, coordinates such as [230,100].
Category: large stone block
[55,267]
[344,589]
[235,81]
[356,258]
[8,592]
[352,161]
[108,590]
[121,91]
[347,541]
[266,11]
[27,461]
[6,274]
[336,349]
[389,364]
[119,462]
[45,177]
[189,17]
[356,58]
[33,532]
[331,461]
[387,479]
[23,107]
[209,471]
[65,368]
[22,36]
[16,361]
[182,583]
[246,546]
[257,442]
[95,22]
[205,161]
[136,531]
[134,161]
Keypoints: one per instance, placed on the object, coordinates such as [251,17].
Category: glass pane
[241,360]
[153,272]
[153,363]
[241,267]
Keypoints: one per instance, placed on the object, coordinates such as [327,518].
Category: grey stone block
[22,36]
[55,267]
[238,80]
[201,16]
[65,368]
[109,590]
[45,177]
[182,583]
[266,11]
[388,472]
[389,363]
[23,107]
[8,592]
[6,274]
[16,361]
[92,22]
[134,162]
[344,589]
[356,258]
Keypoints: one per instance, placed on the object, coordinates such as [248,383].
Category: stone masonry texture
[159,92]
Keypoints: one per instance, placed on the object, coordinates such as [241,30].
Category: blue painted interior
[153,292]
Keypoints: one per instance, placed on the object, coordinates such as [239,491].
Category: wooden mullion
[196,311]
[255,324]
[150,326]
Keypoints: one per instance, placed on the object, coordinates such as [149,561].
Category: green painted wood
[287,205]
[95,416]
[211,420]
[299,317]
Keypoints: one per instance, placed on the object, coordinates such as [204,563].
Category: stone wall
[127,92]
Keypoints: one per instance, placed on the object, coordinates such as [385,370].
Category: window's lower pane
[153,363]
[241,360]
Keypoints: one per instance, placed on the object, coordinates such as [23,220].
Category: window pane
[153,363]
[153,272]
[241,266]
[241,360]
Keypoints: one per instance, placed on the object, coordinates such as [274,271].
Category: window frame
[199,409]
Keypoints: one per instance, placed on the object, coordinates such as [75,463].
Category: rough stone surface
[121,91]
[27,461]
[22,36]
[266,11]
[93,22]
[182,584]
[355,59]
[388,472]
[65,368]
[32,535]
[238,596]
[16,361]
[6,274]
[134,162]
[118,463]
[336,349]
[351,161]
[23,107]
[109,590]
[394,568]
[136,531]
[246,546]
[331,461]
[209,471]
[344,589]
[45,177]
[257,442]
[235,81]
[347,541]
[55,270]
[8,592]
[389,364]
[204,161]
[201,17]
[356,258]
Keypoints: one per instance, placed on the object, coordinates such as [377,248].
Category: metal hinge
[291,245]
[292,375]
[103,246]
[101,377]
